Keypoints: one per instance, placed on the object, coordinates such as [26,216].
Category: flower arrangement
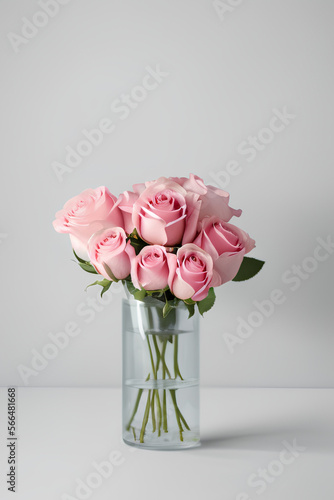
[170,242]
[168,239]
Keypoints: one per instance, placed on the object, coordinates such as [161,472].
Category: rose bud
[150,268]
[85,214]
[191,274]
[165,213]
[107,253]
[227,245]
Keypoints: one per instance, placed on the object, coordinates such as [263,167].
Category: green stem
[157,352]
[139,395]
[158,411]
[164,395]
[164,411]
[153,413]
[162,358]
[164,346]
[176,363]
[160,417]
[182,418]
[151,356]
[155,391]
[145,419]
[177,413]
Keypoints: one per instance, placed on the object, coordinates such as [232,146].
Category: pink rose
[194,184]
[165,213]
[126,201]
[227,245]
[85,214]
[107,253]
[150,268]
[191,273]
[214,201]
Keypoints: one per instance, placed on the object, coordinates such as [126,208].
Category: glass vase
[160,376]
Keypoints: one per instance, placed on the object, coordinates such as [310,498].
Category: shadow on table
[269,436]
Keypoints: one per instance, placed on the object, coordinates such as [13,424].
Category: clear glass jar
[160,376]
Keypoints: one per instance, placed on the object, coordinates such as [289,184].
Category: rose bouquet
[170,242]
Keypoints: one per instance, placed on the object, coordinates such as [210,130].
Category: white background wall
[225,76]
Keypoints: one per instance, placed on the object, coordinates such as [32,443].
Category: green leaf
[249,268]
[130,286]
[139,294]
[191,309]
[170,306]
[206,304]
[87,266]
[78,258]
[134,234]
[106,288]
[104,283]
[189,302]
[167,309]
[157,292]
[136,241]
[109,272]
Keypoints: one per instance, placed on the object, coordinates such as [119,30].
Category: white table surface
[63,431]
